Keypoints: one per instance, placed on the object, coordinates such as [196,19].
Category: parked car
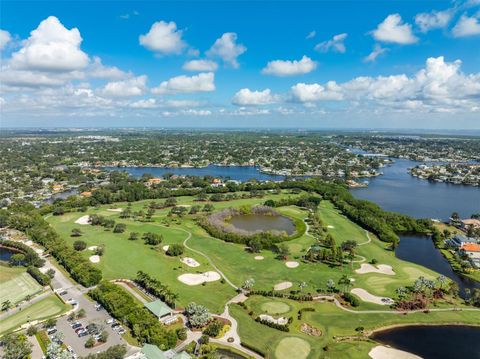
[70,349]
[78,330]
[52,330]
[82,334]
[76,325]
[115,326]
[110,321]
[121,331]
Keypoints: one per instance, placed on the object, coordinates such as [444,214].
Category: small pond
[6,253]
[434,342]
[258,222]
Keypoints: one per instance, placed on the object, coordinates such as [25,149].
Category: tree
[81,313]
[441,280]
[119,228]
[79,245]
[181,333]
[100,250]
[248,284]
[133,236]
[345,282]
[455,216]
[208,208]
[198,315]
[17,259]
[283,251]
[330,285]
[152,239]
[255,245]
[90,342]
[31,330]
[76,232]
[55,351]
[50,273]
[170,202]
[126,213]
[50,323]
[175,249]
[103,336]
[302,286]
[16,346]
[6,305]
[114,352]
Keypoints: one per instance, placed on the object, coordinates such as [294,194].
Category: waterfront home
[217,182]
[154,181]
[472,251]
[466,224]
[459,240]
[162,311]
[86,194]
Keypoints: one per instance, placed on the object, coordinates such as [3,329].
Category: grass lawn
[16,284]
[332,321]
[47,307]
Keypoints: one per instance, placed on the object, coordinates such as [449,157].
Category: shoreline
[368,334]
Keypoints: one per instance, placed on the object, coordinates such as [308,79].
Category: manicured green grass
[47,307]
[275,307]
[333,322]
[17,286]
[292,347]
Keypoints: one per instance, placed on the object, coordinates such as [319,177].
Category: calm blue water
[396,190]
[5,254]
[238,173]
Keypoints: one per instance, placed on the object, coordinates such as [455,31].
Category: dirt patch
[83,220]
[282,286]
[310,330]
[368,297]
[196,279]
[381,268]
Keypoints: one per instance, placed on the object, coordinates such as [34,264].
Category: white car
[110,321]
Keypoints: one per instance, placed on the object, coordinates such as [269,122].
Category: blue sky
[275,64]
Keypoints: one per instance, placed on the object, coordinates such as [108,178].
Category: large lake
[396,190]
[438,342]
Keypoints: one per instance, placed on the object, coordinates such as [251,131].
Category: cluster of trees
[41,278]
[175,250]
[24,217]
[298,297]
[198,315]
[214,328]
[269,323]
[26,256]
[99,220]
[156,288]
[114,352]
[16,346]
[144,326]
[152,239]
[306,201]
[423,291]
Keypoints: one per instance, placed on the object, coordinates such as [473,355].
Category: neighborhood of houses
[468,248]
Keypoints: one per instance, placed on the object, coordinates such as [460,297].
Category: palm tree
[345,282]
[6,305]
[302,285]
[441,280]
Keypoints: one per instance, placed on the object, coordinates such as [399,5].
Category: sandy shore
[83,220]
[383,352]
[381,268]
[282,286]
[368,297]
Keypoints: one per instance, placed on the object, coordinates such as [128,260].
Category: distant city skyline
[266,64]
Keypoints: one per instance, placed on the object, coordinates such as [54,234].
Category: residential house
[472,251]
[459,240]
[470,222]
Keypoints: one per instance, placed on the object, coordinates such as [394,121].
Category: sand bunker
[165,248]
[383,352]
[282,286]
[83,220]
[190,262]
[92,248]
[367,297]
[196,279]
[330,226]
[381,268]
[269,318]
[94,259]
[115,210]
[292,264]
[259,258]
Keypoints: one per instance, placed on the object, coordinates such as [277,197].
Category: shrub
[152,239]
[181,333]
[350,298]
[90,342]
[76,232]
[175,250]
[79,245]
[41,278]
[119,228]
[213,329]
[133,236]
[32,330]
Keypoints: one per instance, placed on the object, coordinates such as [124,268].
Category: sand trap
[94,259]
[282,286]
[190,262]
[269,318]
[92,248]
[115,210]
[381,268]
[196,279]
[292,264]
[352,279]
[184,205]
[83,220]
[367,297]
[165,248]
[383,352]
[330,226]
[259,258]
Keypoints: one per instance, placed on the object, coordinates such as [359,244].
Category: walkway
[131,290]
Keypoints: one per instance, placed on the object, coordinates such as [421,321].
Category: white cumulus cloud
[5,38]
[335,44]
[247,97]
[99,70]
[163,38]
[376,52]
[466,26]
[392,29]
[227,49]
[200,65]
[203,82]
[132,87]
[427,21]
[51,47]
[303,92]
[290,68]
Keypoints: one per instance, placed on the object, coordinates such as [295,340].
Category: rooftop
[158,308]
[471,247]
